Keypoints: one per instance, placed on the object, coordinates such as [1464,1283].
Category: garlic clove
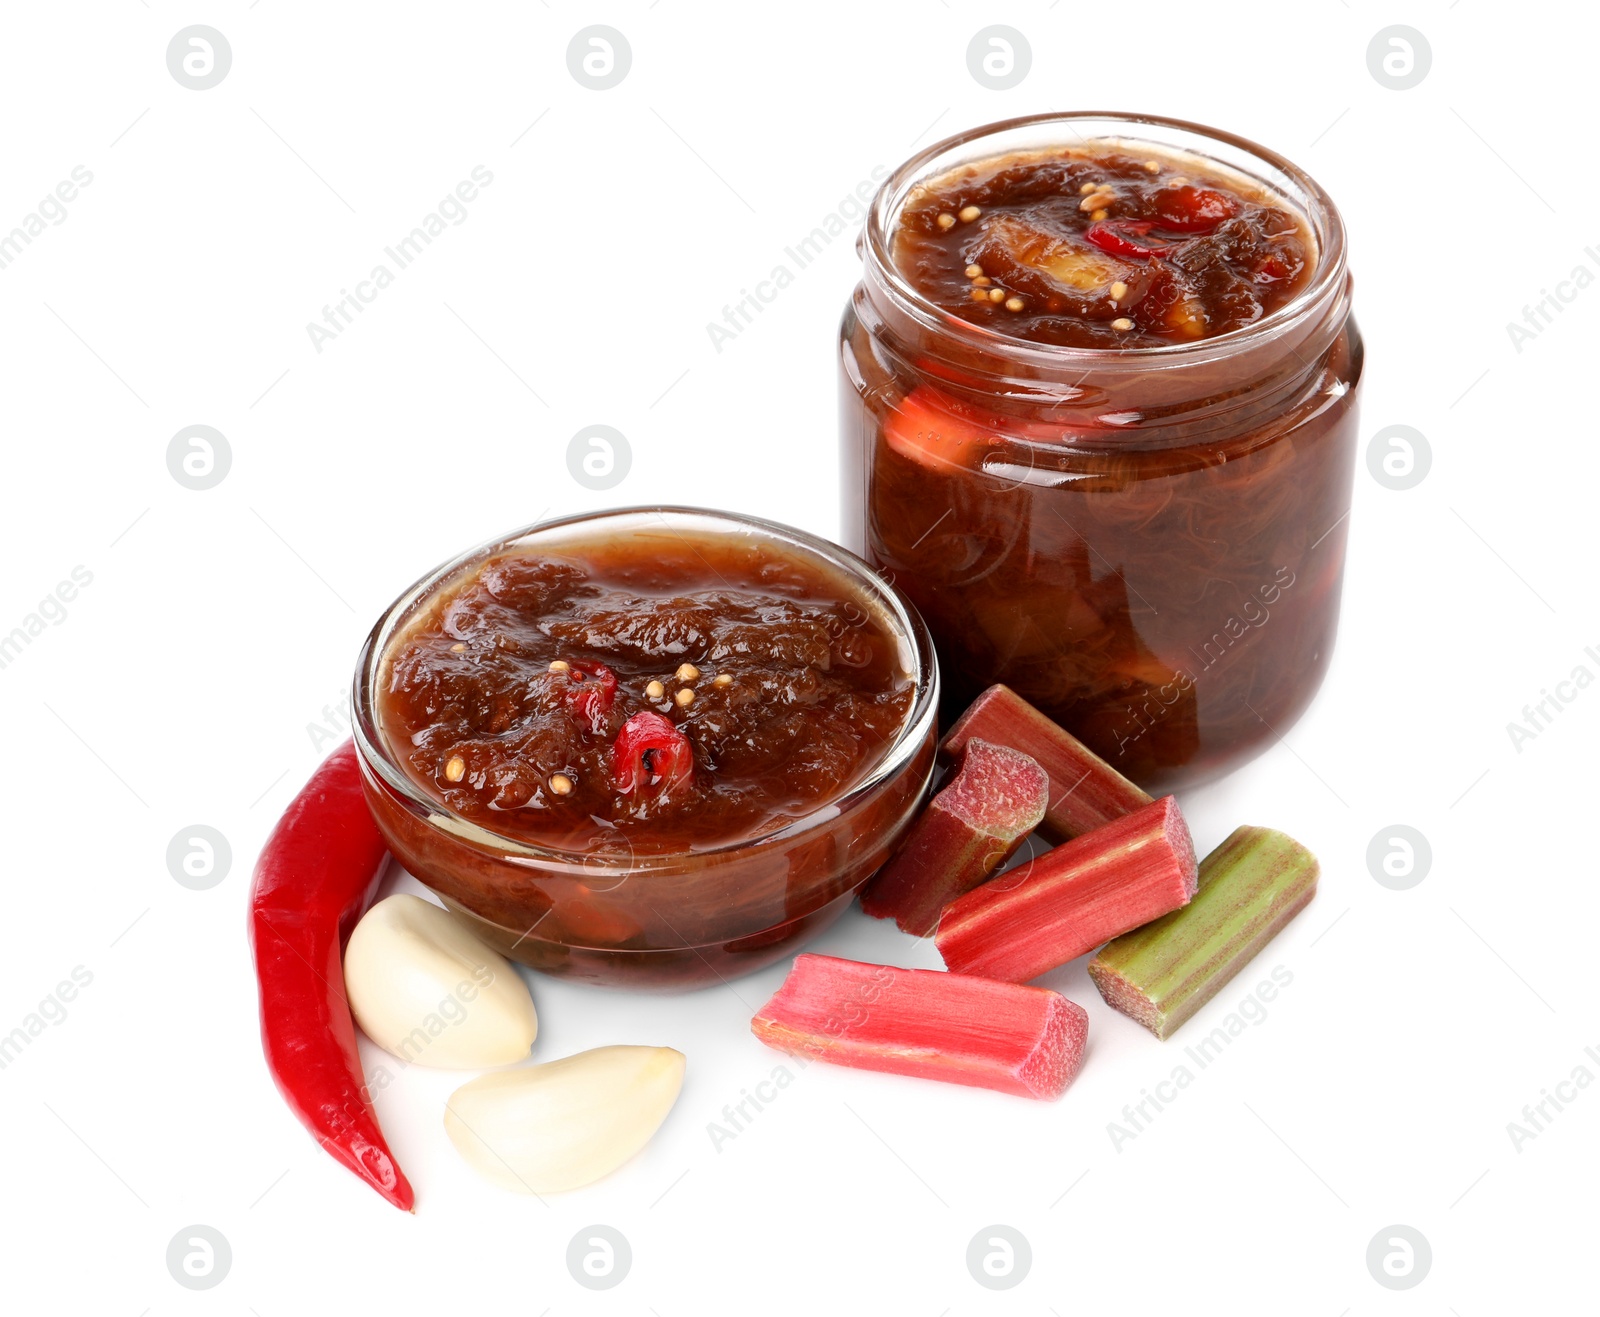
[427,989]
[547,1128]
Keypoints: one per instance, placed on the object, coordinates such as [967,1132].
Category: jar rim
[1304,192]
[380,764]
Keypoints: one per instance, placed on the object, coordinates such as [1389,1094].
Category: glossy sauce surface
[1097,247]
[650,693]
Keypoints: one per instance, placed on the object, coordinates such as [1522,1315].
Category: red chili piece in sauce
[1191,209]
[1123,237]
[651,754]
[592,693]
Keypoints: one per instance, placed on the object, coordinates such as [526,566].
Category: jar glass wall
[1147,543]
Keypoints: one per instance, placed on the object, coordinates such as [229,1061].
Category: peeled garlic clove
[425,988]
[547,1128]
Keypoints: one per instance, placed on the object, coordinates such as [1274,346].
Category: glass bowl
[668,921]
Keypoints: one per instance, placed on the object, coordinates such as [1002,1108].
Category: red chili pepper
[316,875]
[591,693]
[1271,268]
[651,753]
[1192,209]
[1120,237]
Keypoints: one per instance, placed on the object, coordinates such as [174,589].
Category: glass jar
[679,919]
[1147,543]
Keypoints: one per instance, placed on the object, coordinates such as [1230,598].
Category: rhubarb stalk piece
[1250,887]
[969,829]
[1021,1040]
[1085,791]
[1071,899]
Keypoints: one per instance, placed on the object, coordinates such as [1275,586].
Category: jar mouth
[1043,132]
[901,619]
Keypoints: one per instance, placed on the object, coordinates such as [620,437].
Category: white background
[186,682]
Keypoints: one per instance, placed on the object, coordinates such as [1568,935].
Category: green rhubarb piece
[1249,888]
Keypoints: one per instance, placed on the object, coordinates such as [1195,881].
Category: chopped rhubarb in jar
[1099,421]
[1094,245]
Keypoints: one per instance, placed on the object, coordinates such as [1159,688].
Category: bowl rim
[380,765]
